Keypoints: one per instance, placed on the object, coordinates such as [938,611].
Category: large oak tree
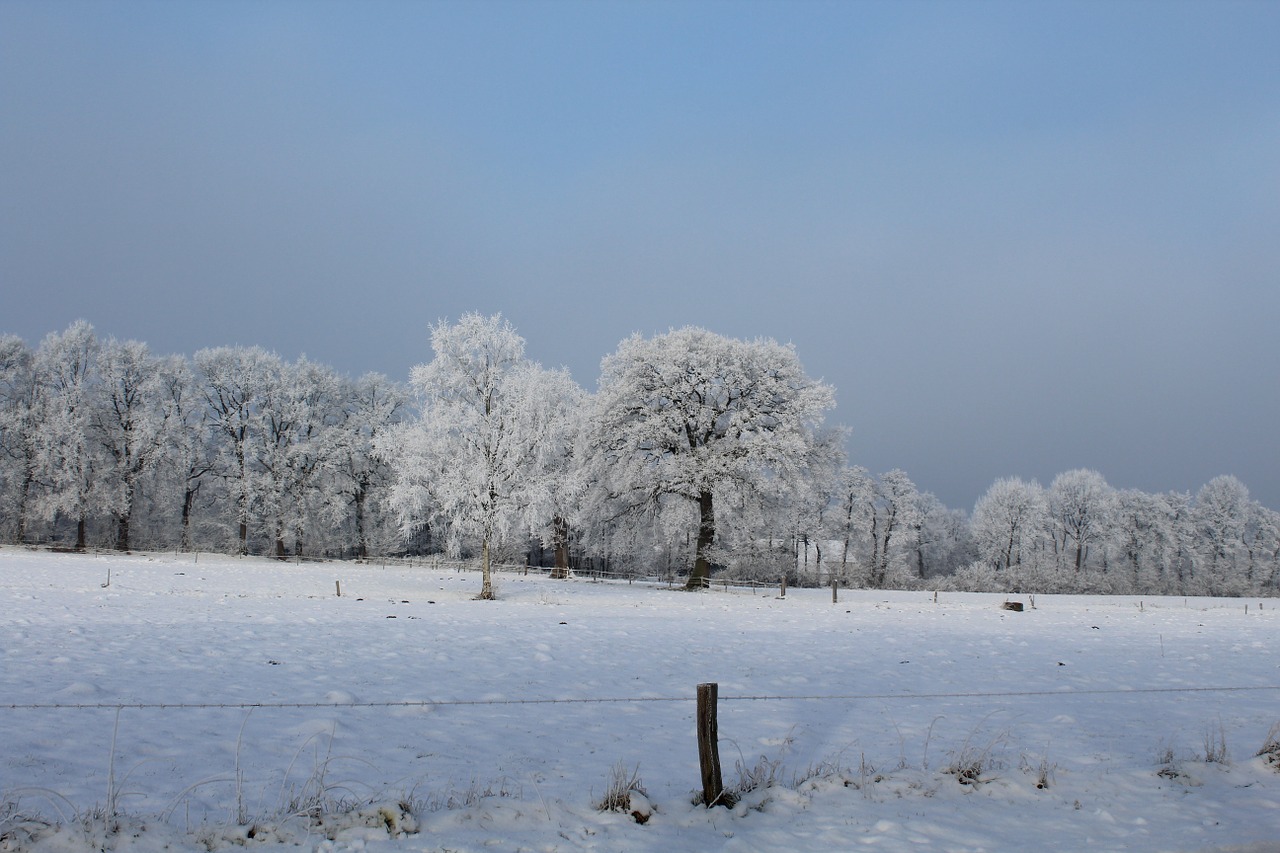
[692,416]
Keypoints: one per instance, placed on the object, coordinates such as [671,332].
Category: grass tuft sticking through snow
[1270,751]
[625,792]
[972,764]
[1215,745]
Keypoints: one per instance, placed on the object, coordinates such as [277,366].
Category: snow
[405,716]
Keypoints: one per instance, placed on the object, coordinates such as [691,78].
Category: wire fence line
[433,703]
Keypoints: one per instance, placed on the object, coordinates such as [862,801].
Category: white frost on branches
[494,427]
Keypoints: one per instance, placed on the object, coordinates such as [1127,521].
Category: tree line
[698,456]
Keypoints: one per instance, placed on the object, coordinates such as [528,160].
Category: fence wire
[615,700]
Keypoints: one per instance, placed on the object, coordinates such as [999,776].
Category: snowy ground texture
[1082,724]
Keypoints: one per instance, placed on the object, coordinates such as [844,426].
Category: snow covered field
[413,695]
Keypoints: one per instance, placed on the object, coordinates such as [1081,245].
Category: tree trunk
[122,520]
[80,532]
[876,580]
[280,552]
[188,503]
[28,478]
[486,582]
[560,544]
[362,542]
[242,496]
[700,578]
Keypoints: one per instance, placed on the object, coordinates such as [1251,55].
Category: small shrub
[1270,752]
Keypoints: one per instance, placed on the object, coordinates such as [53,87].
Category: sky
[1017,238]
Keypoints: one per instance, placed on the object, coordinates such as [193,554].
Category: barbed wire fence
[607,700]
[702,706]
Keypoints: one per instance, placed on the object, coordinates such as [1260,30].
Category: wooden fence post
[337,585]
[784,586]
[709,744]
[834,595]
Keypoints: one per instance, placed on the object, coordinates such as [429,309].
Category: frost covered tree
[693,416]
[856,503]
[1224,519]
[190,457]
[950,540]
[371,405]
[556,500]
[881,522]
[1146,539]
[939,537]
[1264,548]
[1007,520]
[234,381]
[894,513]
[133,420]
[69,462]
[812,507]
[299,408]
[19,431]
[1079,505]
[487,435]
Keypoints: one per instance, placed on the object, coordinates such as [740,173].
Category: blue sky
[1018,238]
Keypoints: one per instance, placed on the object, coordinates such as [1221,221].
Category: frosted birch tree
[894,511]
[556,496]
[692,415]
[857,496]
[478,456]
